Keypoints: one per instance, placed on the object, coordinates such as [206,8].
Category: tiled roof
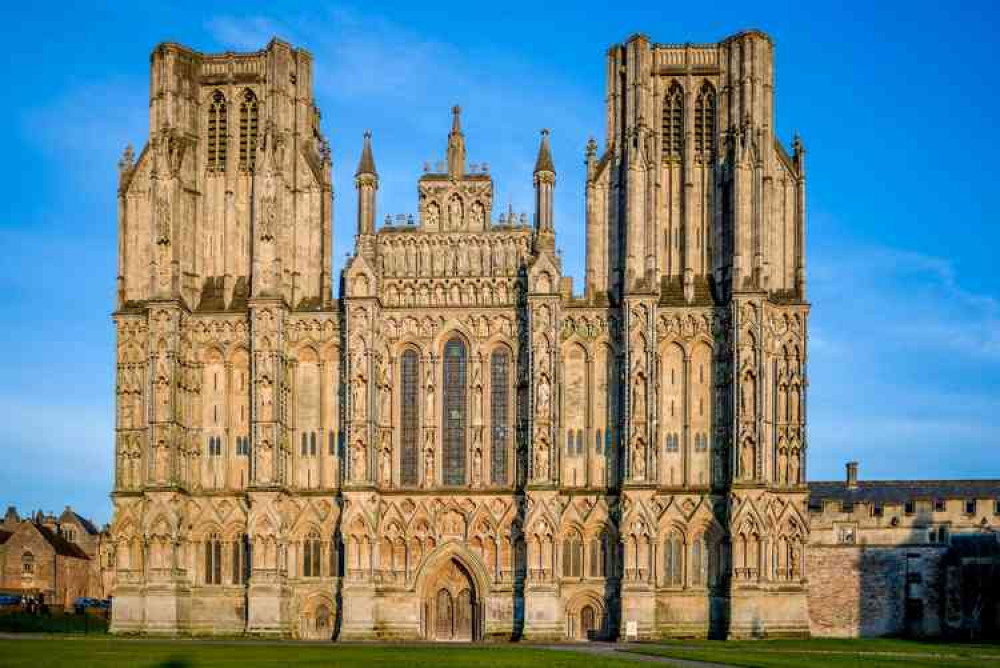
[87,525]
[900,491]
[61,545]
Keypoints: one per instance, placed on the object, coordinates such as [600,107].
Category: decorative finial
[128,159]
[456,119]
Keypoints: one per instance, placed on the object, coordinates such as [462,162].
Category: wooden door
[444,616]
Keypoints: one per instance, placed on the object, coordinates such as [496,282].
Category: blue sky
[894,102]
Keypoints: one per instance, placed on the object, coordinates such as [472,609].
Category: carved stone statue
[358,461]
[746,459]
[161,466]
[748,397]
[455,213]
[477,468]
[429,464]
[358,396]
[543,401]
[385,393]
[432,214]
[477,216]
[639,399]
[266,392]
[542,459]
[639,459]
[385,466]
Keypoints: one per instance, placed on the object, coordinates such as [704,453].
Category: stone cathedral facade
[460,446]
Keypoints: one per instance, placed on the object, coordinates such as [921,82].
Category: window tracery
[704,123]
[673,123]
[409,418]
[311,556]
[213,560]
[217,133]
[248,131]
[499,414]
[454,407]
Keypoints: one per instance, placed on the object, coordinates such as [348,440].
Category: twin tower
[459,446]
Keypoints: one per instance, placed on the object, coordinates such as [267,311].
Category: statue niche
[455,213]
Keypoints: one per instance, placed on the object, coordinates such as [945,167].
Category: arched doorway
[316,620]
[588,622]
[451,604]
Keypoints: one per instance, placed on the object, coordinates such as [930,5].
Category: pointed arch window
[241,559]
[704,123]
[673,561]
[454,412]
[572,556]
[213,560]
[248,131]
[499,414]
[599,556]
[409,415]
[217,133]
[310,556]
[673,124]
[699,558]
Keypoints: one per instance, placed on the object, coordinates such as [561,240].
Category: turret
[366,181]
[545,183]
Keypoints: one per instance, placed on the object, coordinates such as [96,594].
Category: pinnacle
[544,162]
[367,163]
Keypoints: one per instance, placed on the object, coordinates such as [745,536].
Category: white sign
[631,630]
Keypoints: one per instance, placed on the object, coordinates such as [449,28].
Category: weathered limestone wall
[865,591]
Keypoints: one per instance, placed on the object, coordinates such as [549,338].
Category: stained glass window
[500,414]
[454,412]
[409,418]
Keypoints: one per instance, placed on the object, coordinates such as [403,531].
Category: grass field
[93,652]
[83,652]
[828,652]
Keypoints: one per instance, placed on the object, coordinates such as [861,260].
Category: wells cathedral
[462,445]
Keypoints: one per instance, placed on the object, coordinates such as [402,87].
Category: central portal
[450,604]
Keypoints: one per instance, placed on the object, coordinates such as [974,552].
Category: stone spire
[456,145]
[545,183]
[367,163]
[366,182]
[544,161]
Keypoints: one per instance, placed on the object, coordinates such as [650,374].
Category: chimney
[852,475]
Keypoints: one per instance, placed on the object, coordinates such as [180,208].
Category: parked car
[10,601]
[84,603]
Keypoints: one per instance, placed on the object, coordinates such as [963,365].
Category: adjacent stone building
[462,446]
[57,559]
[904,557]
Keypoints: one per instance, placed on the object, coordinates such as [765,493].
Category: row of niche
[430,258]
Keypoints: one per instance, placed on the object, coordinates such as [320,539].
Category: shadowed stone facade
[460,446]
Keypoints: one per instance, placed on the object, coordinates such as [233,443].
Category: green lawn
[85,652]
[828,652]
[81,652]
